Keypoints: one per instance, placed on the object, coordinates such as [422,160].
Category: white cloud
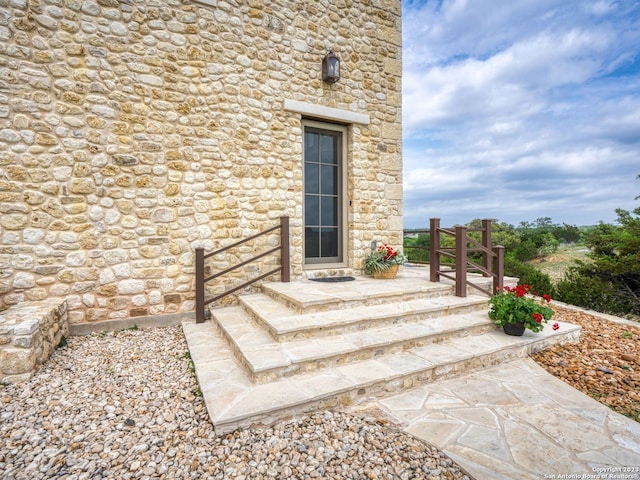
[530,101]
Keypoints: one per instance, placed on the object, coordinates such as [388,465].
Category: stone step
[267,359]
[233,400]
[308,296]
[284,324]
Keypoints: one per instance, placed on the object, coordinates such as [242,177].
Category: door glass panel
[311,147]
[311,210]
[312,242]
[328,150]
[329,242]
[311,178]
[329,180]
[329,209]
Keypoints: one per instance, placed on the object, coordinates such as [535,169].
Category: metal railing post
[486,243]
[498,268]
[199,285]
[434,246]
[285,273]
[461,261]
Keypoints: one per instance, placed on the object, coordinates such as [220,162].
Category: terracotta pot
[390,272]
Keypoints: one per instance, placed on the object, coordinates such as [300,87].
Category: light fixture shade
[330,68]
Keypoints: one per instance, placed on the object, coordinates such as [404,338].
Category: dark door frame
[341,259]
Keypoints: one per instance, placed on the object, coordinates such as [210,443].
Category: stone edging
[603,316]
[149,321]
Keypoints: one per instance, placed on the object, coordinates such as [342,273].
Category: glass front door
[323,197]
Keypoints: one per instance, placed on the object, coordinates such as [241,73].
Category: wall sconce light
[330,68]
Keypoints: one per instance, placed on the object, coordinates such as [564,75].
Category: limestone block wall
[133,132]
[28,335]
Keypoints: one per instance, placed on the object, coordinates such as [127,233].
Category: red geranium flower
[556,326]
[388,252]
[518,305]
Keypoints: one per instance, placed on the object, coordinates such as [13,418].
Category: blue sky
[520,109]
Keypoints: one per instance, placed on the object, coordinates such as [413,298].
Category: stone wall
[28,335]
[133,132]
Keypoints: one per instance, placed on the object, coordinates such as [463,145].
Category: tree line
[607,281]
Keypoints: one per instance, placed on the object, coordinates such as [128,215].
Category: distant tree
[544,223]
[501,233]
[525,225]
[567,233]
[417,248]
[610,282]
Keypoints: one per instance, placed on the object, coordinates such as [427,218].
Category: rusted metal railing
[492,257]
[201,280]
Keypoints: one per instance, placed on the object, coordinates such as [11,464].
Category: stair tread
[263,353]
[366,288]
[283,320]
[233,398]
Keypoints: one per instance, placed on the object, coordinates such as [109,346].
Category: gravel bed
[604,365]
[125,405]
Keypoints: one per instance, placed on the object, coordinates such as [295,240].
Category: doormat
[332,279]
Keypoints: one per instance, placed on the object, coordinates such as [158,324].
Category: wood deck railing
[492,264]
[201,280]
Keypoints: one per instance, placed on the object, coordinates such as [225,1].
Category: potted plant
[383,262]
[516,309]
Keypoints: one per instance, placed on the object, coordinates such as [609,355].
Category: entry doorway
[324,194]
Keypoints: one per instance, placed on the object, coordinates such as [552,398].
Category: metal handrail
[284,269]
[492,257]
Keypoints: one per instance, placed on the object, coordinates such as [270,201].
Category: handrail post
[434,245]
[285,273]
[486,243]
[498,268]
[461,261]
[199,285]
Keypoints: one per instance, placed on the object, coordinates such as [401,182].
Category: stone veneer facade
[133,132]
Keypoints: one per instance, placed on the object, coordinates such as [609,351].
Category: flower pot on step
[514,329]
[390,272]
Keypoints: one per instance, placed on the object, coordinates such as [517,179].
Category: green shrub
[526,250]
[417,249]
[589,292]
[529,275]
[610,282]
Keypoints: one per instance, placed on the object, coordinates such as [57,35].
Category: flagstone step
[266,359]
[309,296]
[233,400]
[284,324]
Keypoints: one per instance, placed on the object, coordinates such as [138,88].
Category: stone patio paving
[516,421]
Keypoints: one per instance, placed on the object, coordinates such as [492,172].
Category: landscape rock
[601,342]
[126,405]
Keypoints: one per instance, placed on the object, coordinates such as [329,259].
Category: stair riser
[395,385]
[327,305]
[234,347]
[366,353]
[364,324]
